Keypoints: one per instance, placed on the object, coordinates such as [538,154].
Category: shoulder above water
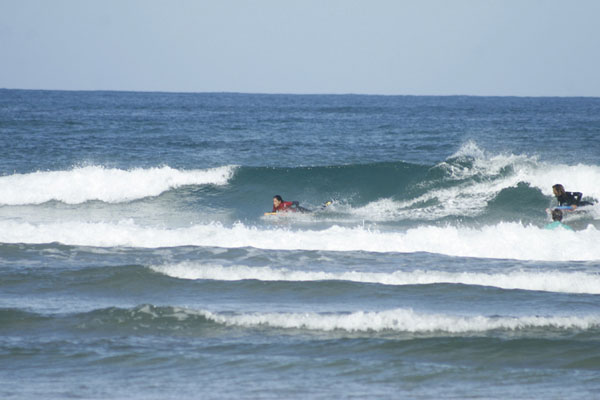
[557,224]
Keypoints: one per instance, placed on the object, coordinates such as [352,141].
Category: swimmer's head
[557,215]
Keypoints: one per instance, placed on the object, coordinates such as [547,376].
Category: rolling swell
[151,319]
[106,279]
[118,336]
[137,320]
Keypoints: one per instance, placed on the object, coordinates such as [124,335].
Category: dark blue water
[56,130]
[136,262]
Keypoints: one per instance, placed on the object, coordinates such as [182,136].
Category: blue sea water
[136,262]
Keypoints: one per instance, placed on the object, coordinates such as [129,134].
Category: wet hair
[557,215]
[278,197]
[560,189]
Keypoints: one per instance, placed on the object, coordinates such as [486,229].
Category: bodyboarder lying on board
[285,206]
[279,205]
[568,200]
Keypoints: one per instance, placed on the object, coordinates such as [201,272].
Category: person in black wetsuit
[572,199]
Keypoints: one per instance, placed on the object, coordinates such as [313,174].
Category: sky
[395,47]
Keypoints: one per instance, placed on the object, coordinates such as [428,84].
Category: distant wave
[111,185]
[402,320]
[503,240]
[550,281]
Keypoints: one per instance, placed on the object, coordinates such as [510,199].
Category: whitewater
[505,240]
[111,185]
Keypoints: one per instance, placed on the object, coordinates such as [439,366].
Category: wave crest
[110,185]
[550,281]
[402,320]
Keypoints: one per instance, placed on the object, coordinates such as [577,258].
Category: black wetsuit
[571,199]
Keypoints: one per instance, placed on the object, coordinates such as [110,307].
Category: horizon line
[292,93]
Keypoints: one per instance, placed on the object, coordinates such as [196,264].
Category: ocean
[136,261]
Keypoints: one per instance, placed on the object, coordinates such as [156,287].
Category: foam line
[503,240]
[550,281]
[401,320]
[111,185]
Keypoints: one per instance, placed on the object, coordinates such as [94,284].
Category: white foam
[401,320]
[528,169]
[82,184]
[484,180]
[575,178]
[465,200]
[504,240]
[550,281]
[483,164]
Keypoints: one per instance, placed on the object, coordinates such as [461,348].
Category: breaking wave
[550,281]
[503,240]
[111,185]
